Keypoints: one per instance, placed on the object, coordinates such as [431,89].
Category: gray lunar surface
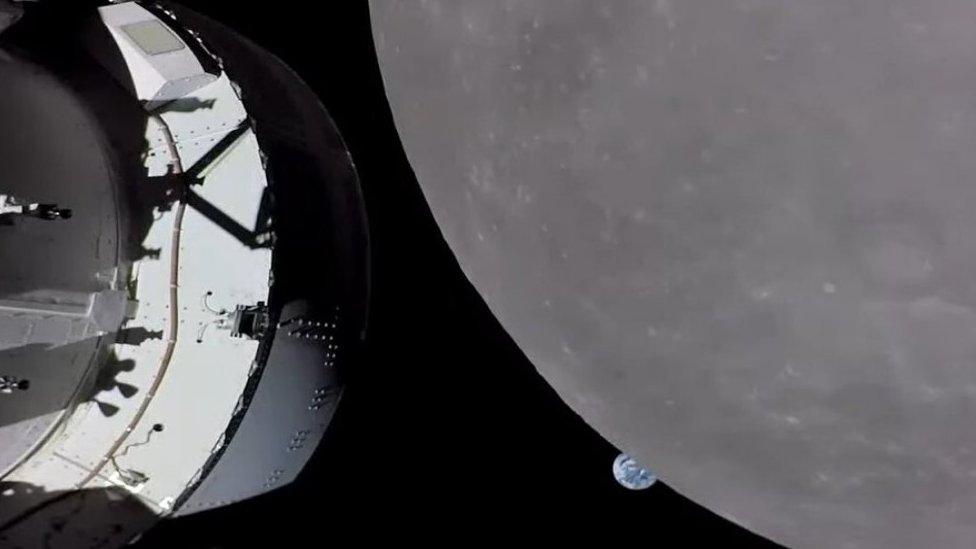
[737,236]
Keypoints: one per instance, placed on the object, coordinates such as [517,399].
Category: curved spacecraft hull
[735,236]
[183,273]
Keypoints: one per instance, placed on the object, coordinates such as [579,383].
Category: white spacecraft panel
[205,378]
[164,409]
[160,66]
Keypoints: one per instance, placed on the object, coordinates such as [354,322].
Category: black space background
[446,423]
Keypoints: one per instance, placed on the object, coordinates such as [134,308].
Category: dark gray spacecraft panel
[283,418]
[55,278]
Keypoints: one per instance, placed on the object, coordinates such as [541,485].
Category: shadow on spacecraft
[183,270]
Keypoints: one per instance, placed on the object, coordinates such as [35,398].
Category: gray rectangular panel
[153,37]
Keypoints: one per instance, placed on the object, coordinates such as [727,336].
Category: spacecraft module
[182,270]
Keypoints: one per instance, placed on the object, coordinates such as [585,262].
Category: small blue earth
[632,475]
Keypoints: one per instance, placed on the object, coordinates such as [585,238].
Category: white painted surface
[158,77]
[205,380]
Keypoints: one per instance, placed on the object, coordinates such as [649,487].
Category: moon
[737,237]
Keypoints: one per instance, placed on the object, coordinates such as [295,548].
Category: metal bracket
[250,321]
